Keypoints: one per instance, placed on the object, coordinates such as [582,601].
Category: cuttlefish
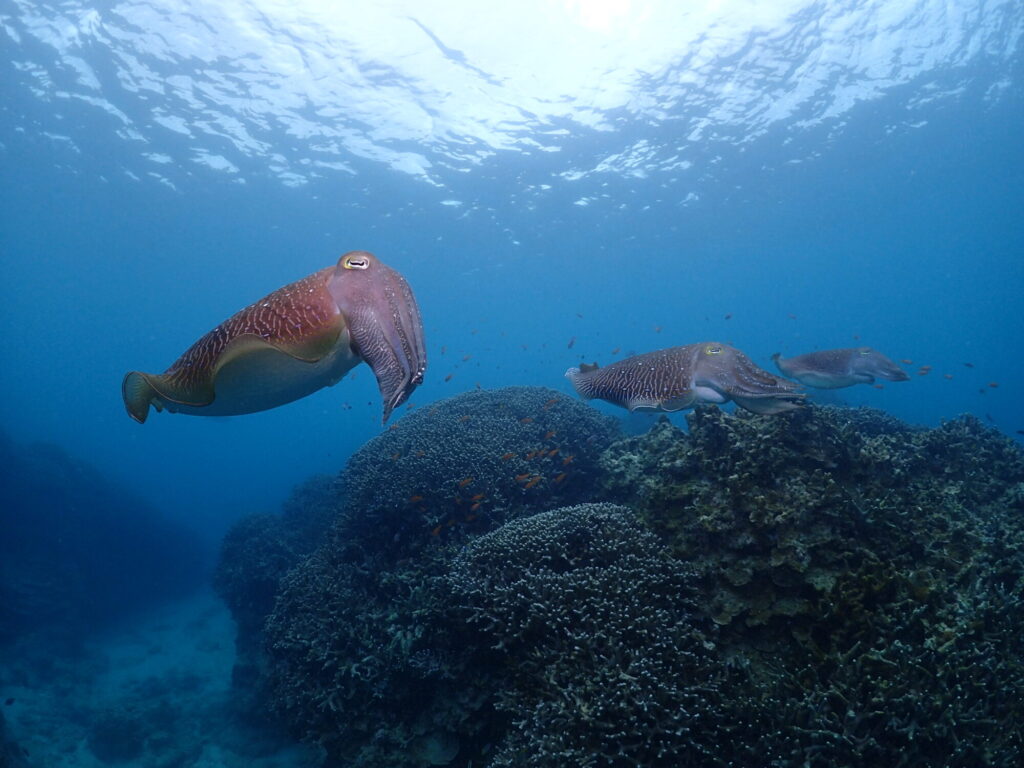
[837,368]
[294,341]
[681,377]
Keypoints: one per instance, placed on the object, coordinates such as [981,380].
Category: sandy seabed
[153,692]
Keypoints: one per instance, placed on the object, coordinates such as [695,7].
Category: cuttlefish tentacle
[680,377]
[291,343]
[837,368]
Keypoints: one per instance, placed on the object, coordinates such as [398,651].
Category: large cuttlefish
[298,339]
[681,377]
[837,368]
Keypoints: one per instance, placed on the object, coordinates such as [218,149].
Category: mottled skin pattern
[680,377]
[301,316]
[837,368]
[294,341]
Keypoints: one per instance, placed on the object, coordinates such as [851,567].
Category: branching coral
[606,663]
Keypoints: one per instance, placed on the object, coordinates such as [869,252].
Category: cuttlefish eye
[713,350]
[355,261]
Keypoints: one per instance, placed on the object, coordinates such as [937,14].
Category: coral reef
[822,587]
[472,462]
[605,662]
[76,550]
[361,632]
[255,555]
[869,571]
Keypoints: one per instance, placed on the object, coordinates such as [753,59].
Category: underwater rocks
[77,550]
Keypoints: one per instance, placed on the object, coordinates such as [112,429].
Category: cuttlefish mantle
[294,341]
[681,377]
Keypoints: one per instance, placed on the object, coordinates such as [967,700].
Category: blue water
[615,175]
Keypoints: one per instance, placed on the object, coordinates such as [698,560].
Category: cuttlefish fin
[679,403]
[139,393]
[646,404]
[190,382]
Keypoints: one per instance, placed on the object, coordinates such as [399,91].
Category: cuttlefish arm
[837,368]
[729,372]
[298,339]
[680,377]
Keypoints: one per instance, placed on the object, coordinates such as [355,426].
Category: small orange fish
[530,455]
[729,316]
[968,365]
[475,507]
[421,453]
[571,342]
[466,357]
[993,384]
[947,376]
[507,456]
[791,316]
[549,434]
[396,456]
[923,372]
[550,402]
[552,453]
[414,499]
[616,350]
[436,531]
[542,452]
[470,518]
[567,460]
[878,386]
[536,479]
[520,478]
[465,481]
[559,477]
[449,377]
[657,329]
[477,497]
[907,361]
[464,418]
[526,420]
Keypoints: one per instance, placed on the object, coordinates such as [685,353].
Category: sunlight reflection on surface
[439,87]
